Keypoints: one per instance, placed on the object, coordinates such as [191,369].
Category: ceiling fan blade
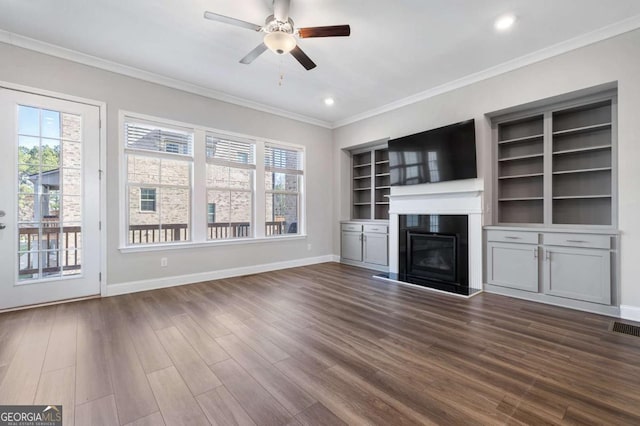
[231,21]
[281,10]
[254,54]
[302,57]
[330,31]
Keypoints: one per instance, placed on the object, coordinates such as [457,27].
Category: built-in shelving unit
[370,184]
[520,149]
[582,144]
[556,166]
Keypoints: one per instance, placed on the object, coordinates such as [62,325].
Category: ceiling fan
[281,33]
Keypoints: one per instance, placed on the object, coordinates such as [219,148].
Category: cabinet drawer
[578,240]
[513,237]
[352,227]
[376,229]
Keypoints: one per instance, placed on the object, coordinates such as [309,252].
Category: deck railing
[146,234]
[47,249]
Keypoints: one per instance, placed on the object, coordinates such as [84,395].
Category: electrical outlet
[164,262]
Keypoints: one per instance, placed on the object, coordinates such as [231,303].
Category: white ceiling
[397,48]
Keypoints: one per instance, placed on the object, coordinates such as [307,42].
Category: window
[158,184]
[230,182]
[283,183]
[172,195]
[147,199]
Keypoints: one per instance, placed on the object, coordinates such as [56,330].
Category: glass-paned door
[49,199]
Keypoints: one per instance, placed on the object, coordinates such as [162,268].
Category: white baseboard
[631,313]
[156,283]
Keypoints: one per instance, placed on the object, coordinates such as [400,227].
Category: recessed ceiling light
[505,22]
[329,101]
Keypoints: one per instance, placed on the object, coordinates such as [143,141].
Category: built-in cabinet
[365,244]
[552,265]
[370,184]
[555,198]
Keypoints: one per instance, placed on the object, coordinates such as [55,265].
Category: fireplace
[434,251]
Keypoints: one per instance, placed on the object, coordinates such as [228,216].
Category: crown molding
[613,30]
[93,61]
[600,34]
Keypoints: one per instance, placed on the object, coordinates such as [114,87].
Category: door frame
[102,149]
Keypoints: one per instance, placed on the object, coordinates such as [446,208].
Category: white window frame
[239,166]
[198,220]
[300,185]
[125,117]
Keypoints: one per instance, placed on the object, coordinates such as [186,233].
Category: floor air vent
[632,330]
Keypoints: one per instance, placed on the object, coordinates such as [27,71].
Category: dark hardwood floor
[318,345]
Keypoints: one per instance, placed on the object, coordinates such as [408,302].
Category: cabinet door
[575,273]
[351,246]
[376,247]
[513,265]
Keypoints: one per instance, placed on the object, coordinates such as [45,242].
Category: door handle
[2,226]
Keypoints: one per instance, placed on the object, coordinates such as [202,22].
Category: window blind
[229,152]
[147,137]
[282,160]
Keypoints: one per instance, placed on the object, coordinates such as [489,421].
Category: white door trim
[102,107]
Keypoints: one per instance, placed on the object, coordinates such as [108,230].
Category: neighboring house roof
[50,179]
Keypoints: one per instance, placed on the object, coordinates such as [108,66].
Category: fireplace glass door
[432,256]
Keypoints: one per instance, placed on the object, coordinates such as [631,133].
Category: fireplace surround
[434,252]
[455,198]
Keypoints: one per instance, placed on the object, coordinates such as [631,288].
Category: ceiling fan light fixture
[280,42]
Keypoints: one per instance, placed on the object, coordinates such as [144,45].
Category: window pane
[232,214]
[151,137]
[143,170]
[281,214]
[71,208]
[281,182]
[71,181]
[50,124]
[218,176]
[71,154]
[29,121]
[282,158]
[71,127]
[50,154]
[175,213]
[175,172]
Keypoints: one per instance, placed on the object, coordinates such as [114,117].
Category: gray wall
[616,59]
[25,67]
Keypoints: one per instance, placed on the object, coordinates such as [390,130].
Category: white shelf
[362,189]
[362,177]
[356,166]
[382,162]
[382,174]
[383,187]
[362,204]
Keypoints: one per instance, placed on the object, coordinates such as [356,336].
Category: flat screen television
[438,155]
